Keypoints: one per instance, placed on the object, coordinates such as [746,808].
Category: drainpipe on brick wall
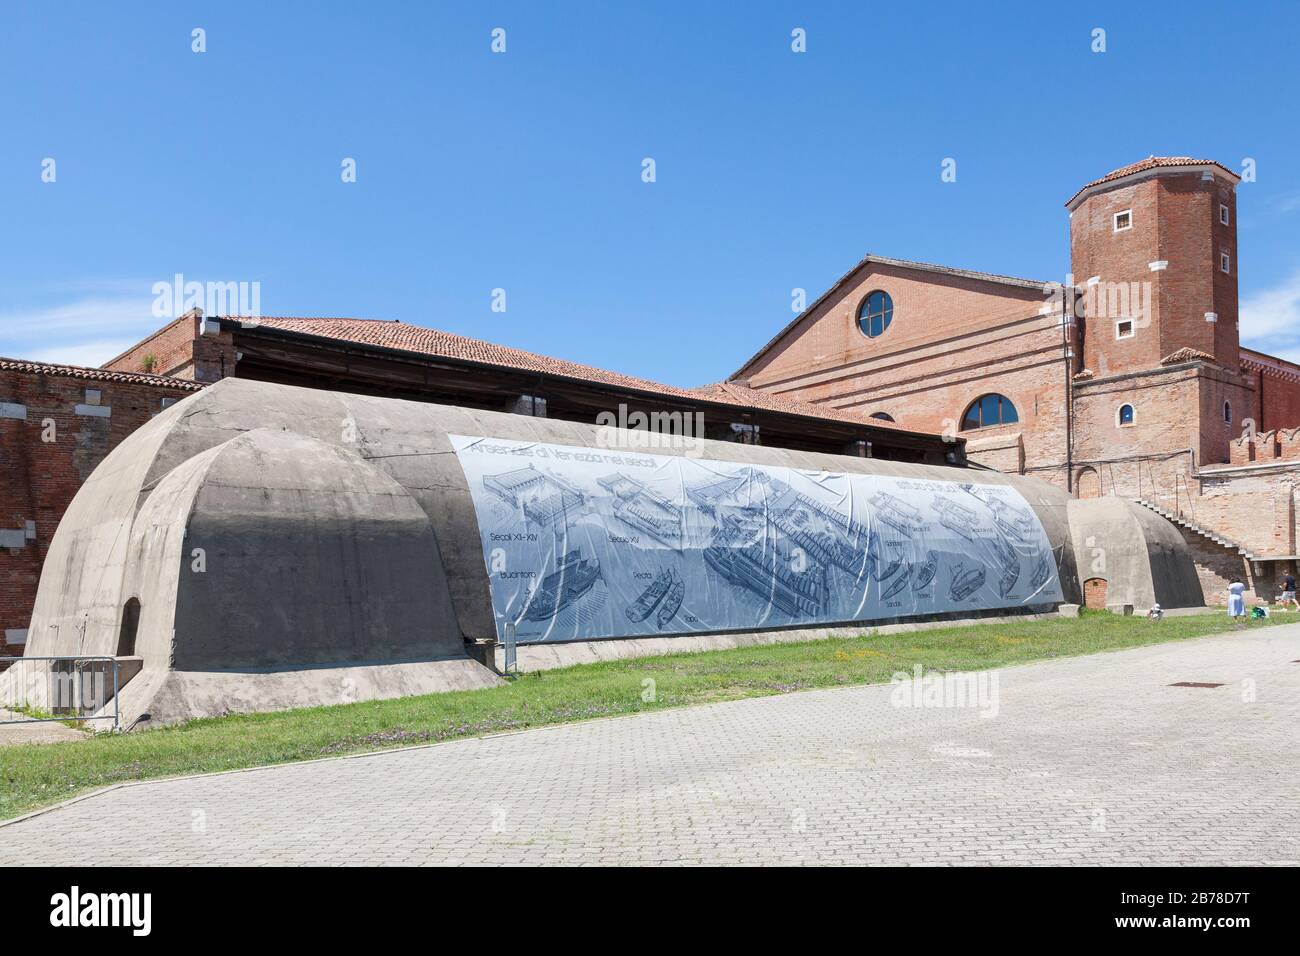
[1261,427]
[1066,308]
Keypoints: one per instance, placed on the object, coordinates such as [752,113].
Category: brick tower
[1162,231]
[1154,253]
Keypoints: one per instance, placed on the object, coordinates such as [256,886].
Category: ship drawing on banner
[781,550]
[587,543]
[727,491]
[1042,571]
[956,517]
[1008,561]
[643,509]
[1014,522]
[898,514]
[884,557]
[574,577]
[965,581]
[924,573]
[826,536]
[671,602]
[742,553]
[900,583]
[645,605]
[545,499]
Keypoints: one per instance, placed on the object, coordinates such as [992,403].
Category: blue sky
[522,170]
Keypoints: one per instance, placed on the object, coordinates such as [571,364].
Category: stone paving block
[1090,760]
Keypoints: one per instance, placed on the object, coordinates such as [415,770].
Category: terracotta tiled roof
[434,342]
[737,394]
[1257,361]
[98,374]
[1187,355]
[1151,162]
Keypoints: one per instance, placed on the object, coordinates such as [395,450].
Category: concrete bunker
[1130,557]
[260,547]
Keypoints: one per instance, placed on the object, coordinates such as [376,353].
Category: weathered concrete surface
[1142,557]
[536,657]
[160,696]
[1088,760]
[262,526]
[305,541]
[409,442]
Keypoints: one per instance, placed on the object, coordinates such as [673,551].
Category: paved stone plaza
[1088,760]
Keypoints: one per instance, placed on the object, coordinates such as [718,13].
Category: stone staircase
[1195,528]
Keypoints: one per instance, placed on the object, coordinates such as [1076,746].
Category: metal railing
[59,689]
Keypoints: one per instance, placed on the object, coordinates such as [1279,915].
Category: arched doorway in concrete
[130,624]
[1094,593]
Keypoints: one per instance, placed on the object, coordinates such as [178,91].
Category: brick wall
[1217,567]
[54,430]
[1099,252]
[1277,392]
[1256,507]
[1094,593]
[952,340]
[171,348]
[1171,248]
[1153,457]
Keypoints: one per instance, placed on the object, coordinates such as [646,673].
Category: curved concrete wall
[272,533]
[309,539]
[1142,557]
[267,559]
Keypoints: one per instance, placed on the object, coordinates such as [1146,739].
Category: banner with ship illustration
[584,543]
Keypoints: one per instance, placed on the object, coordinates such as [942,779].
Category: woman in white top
[1236,600]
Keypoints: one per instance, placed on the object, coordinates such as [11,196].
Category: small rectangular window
[1225,262]
[1223,214]
[1123,220]
[1124,329]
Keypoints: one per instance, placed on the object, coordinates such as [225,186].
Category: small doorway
[1089,483]
[130,623]
[1094,593]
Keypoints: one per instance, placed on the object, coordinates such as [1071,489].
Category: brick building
[1129,378]
[58,422]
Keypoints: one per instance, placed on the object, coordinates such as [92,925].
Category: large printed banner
[587,543]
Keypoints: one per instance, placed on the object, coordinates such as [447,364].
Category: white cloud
[87,354]
[1270,319]
[88,330]
[1291,354]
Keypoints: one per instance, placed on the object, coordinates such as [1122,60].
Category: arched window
[1227,413]
[1126,415]
[875,313]
[883,416]
[989,410]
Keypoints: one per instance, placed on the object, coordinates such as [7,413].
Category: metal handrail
[76,662]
